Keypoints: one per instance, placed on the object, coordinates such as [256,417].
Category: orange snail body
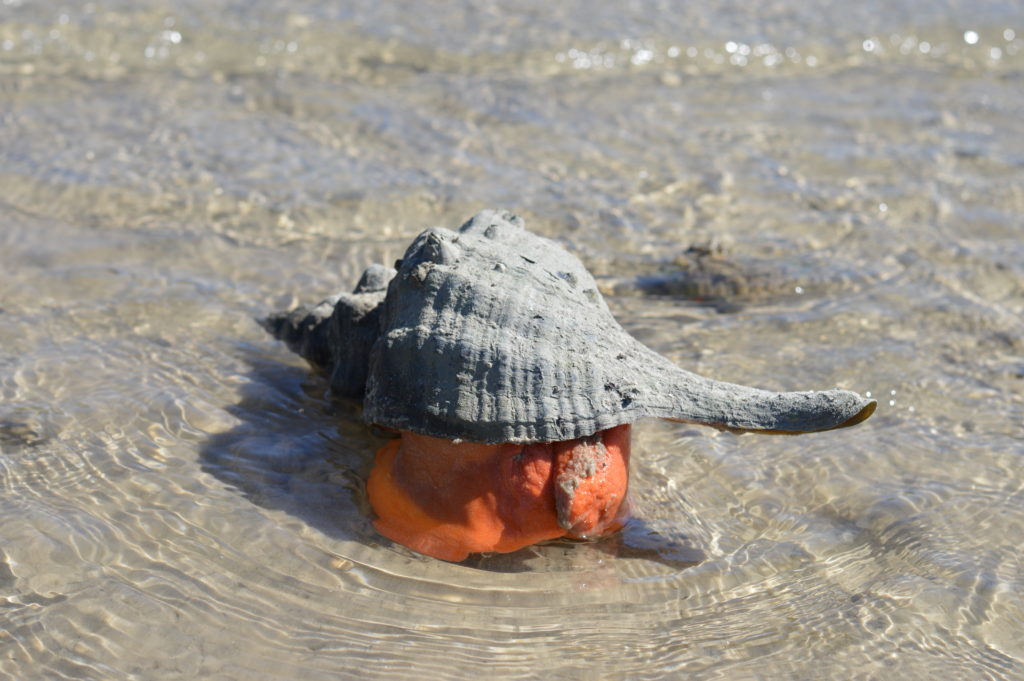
[447,499]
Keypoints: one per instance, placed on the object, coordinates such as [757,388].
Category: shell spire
[336,335]
[493,334]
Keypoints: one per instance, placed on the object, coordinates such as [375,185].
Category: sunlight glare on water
[768,193]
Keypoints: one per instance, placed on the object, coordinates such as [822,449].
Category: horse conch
[492,353]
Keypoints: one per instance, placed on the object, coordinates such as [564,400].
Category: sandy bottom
[180,499]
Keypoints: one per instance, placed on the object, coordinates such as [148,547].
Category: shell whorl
[488,335]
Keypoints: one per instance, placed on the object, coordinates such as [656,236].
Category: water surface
[181,499]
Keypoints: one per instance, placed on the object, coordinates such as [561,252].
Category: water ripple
[774,194]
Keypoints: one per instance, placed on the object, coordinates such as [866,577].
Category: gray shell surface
[493,334]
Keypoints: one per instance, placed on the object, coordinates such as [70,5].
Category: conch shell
[494,355]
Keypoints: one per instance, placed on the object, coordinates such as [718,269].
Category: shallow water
[181,500]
